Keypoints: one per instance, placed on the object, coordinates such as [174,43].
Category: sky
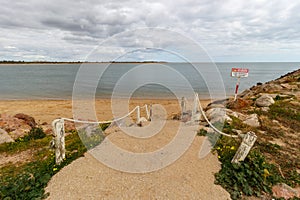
[226,30]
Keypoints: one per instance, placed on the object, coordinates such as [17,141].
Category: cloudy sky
[228,30]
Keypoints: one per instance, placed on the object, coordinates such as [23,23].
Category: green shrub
[28,180]
[202,132]
[251,177]
[34,134]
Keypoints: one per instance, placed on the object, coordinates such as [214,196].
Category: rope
[109,121]
[211,125]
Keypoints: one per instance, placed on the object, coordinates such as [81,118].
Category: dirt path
[187,178]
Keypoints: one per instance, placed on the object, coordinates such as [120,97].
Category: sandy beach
[48,110]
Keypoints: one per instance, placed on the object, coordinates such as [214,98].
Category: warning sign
[239,72]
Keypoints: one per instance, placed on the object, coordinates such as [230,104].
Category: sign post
[239,73]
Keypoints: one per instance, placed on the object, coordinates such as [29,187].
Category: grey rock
[252,120]
[4,137]
[264,101]
[217,115]
[265,109]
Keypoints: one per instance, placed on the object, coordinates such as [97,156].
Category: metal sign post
[239,73]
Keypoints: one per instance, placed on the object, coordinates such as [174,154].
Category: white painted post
[195,106]
[147,112]
[138,117]
[247,143]
[59,133]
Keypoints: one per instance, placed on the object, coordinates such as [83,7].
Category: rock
[264,101]
[197,117]
[28,119]
[236,114]
[238,104]
[239,132]
[271,87]
[252,120]
[282,190]
[69,126]
[265,109]
[214,105]
[217,115]
[4,137]
[14,126]
[289,86]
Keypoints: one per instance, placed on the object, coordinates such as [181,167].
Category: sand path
[187,178]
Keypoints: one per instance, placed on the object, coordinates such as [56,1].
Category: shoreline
[48,110]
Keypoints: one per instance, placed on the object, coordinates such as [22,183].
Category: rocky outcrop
[264,100]
[27,119]
[15,127]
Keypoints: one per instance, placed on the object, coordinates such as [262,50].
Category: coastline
[48,110]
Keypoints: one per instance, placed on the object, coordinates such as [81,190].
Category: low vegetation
[27,180]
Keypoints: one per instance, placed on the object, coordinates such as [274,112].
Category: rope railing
[206,119]
[59,130]
[248,139]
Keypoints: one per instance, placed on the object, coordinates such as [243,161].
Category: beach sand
[189,177]
[48,110]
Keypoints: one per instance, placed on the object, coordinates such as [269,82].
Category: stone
[4,137]
[28,119]
[289,86]
[217,115]
[282,190]
[238,132]
[213,105]
[252,120]
[14,126]
[69,126]
[265,109]
[271,87]
[264,101]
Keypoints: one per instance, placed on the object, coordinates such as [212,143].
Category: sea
[150,80]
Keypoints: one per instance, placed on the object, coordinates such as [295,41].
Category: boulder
[4,137]
[282,190]
[217,115]
[252,120]
[14,126]
[264,100]
[28,119]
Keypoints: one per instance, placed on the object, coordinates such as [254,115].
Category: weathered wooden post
[183,106]
[59,133]
[150,113]
[246,145]
[195,105]
[138,115]
[147,112]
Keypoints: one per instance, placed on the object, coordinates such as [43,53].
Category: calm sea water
[55,81]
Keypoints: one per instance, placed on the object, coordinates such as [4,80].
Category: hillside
[272,111]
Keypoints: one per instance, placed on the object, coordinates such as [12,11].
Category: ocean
[56,81]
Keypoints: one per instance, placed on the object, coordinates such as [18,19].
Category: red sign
[239,72]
